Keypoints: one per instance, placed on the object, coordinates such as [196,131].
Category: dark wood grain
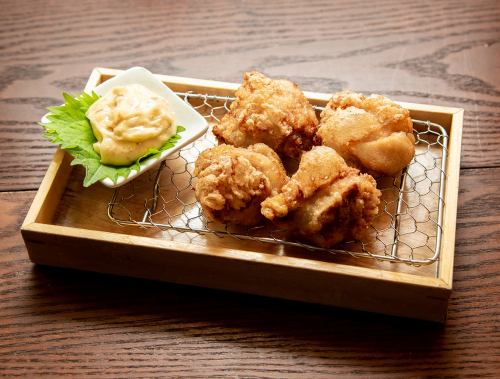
[55,322]
[439,52]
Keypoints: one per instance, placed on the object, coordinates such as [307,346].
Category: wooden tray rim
[37,221]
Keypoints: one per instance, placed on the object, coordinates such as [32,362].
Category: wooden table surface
[55,322]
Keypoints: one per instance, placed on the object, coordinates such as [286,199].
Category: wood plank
[56,322]
[77,202]
[450,199]
[416,52]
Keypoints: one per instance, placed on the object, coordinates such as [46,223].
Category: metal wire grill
[407,230]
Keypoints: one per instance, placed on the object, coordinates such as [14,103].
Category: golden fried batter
[325,201]
[232,182]
[372,133]
[274,112]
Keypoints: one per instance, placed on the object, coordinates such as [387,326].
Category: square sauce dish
[195,124]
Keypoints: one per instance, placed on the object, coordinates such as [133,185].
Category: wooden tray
[67,226]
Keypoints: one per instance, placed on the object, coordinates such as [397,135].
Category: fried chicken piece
[274,112]
[325,201]
[372,133]
[232,182]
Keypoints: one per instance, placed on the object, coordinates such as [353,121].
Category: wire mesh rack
[407,229]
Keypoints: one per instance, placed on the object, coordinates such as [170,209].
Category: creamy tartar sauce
[128,121]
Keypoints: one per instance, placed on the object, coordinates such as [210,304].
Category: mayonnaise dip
[128,121]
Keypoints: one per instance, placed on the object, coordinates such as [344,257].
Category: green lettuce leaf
[69,128]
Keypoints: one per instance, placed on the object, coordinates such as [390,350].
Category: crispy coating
[371,133]
[325,201]
[232,182]
[274,112]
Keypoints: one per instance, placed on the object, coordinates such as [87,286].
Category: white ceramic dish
[185,115]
